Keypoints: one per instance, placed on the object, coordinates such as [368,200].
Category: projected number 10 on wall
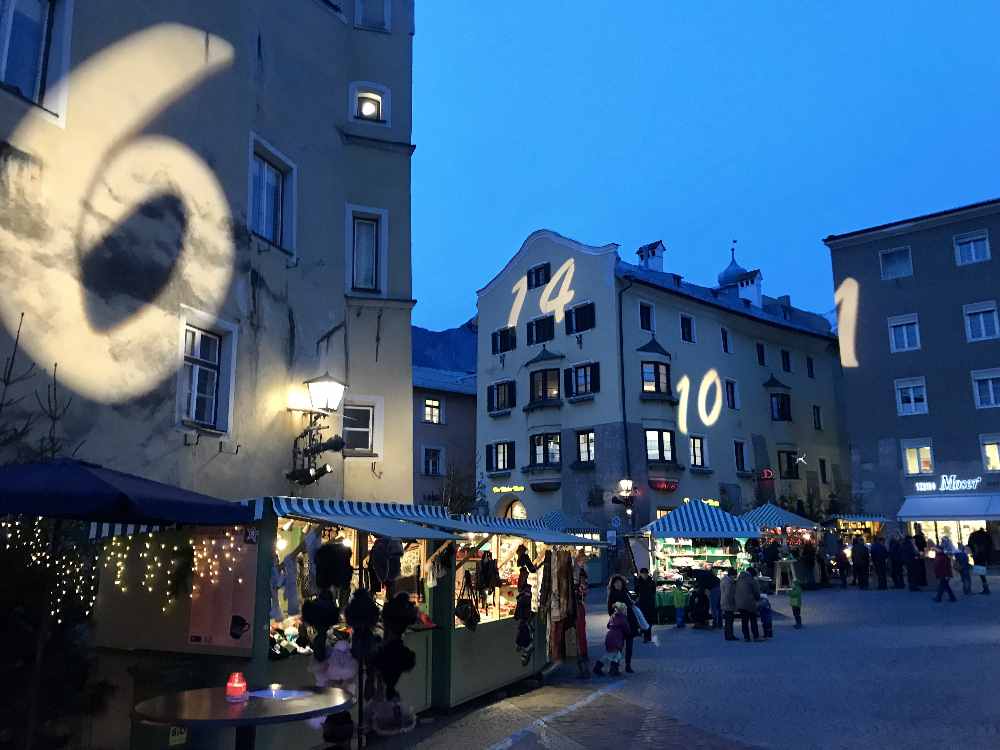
[547,303]
[708,416]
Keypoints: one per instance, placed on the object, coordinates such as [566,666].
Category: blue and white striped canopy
[771,516]
[698,520]
[863,517]
[559,521]
[326,511]
[349,512]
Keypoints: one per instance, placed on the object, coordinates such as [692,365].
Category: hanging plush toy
[333,566]
[362,616]
[322,614]
[398,614]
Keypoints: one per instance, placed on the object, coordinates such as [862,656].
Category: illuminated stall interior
[778,524]
[864,525]
[951,515]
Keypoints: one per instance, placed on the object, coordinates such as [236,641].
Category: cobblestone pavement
[869,667]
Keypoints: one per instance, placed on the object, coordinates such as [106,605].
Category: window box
[545,403]
[701,470]
[499,413]
[665,465]
[581,399]
[541,468]
[550,486]
[744,474]
[498,474]
[583,465]
[668,398]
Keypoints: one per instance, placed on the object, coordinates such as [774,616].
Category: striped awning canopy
[429,517]
[860,517]
[559,521]
[698,520]
[771,516]
[328,512]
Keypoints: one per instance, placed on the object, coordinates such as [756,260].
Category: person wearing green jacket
[680,603]
[795,599]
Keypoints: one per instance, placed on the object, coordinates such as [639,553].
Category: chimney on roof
[651,255]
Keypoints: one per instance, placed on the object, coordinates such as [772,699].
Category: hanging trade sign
[508,488]
[949,483]
[663,485]
[767,473]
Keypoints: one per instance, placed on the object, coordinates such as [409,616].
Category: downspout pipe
[621,381]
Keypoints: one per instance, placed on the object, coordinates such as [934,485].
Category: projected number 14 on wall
[547,303]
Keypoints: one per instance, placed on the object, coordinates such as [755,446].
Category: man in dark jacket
[896,560]
[645,587]
[860,561]
[982,549]
[880,559]
[915,572]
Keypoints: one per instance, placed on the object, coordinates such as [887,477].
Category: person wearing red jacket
[942,569]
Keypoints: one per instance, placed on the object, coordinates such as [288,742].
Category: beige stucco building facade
[592,370]
[203,206]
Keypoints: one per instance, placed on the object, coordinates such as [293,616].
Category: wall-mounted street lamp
[325,396]
[626,497]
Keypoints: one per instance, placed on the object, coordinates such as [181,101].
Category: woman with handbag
[618,592]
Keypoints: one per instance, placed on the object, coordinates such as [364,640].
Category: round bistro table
[208,708]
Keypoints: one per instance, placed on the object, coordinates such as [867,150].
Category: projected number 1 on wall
[708,416]
[547,303]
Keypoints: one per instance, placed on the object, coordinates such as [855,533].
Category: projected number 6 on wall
[708,416]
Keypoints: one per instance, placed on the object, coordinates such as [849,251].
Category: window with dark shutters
[569,382]
[544,385]
[810,367]
[491,457]
[491,398]
[761,355]
[538,276]
[542,329]
[581,318]
[504,340]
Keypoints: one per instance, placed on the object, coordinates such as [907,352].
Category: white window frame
[985,440]
[737,403]
[289,191]
[359,17]
[228,333]
[911,383]
[903,320]
[361,88]
[917,443]
[441,460]
[652,315]
[974,309]
[351,211]
[887,251]
[705,463]
[982,375]
[377,425]
[440,401]
[52,106]
[592,450]
[980,234]
[680,328]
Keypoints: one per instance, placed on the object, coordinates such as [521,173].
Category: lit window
[981,323]
[432,410]
[918,457]
[501,396]
[368,106]
[500,456]
[698,457]
[991,452]
[817,417]
[781,407]
[585,447]
[432,462]
[544,385]
[25,33]
[732,395]
[266,215]
[655,377]
[911,396]
[725,340]
[202,356]
[539,275]
[739,453]
[545,449]
[973,247]
[659,445]
[687,329]
[788,465]
[583,380]
[986,387]
[896,263]
[541,329]
[646,320]
[581,318]
[786,360]
[366,253]
[504,340]
[904,333]
[359,428]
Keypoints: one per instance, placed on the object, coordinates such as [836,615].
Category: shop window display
[494,589]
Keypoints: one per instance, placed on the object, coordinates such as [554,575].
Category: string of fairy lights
[76,567]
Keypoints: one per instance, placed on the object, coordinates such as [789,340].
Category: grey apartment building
[920,344]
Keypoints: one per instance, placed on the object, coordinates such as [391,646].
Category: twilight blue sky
[692,122]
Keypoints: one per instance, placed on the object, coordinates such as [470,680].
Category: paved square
[887,667]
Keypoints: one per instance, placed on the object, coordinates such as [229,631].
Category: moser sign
[949,483]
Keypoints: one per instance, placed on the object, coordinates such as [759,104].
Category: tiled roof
[772,312]
[653,347]
[544,356]
[449,381]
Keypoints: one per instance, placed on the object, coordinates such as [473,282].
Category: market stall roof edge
[698,520]
[771,516]
[323,511]
[860,517]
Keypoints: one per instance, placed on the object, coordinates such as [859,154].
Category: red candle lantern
[236,688]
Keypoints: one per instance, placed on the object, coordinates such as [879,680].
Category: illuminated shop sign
[508,488]
[949,483]
[767,473]
[663,485]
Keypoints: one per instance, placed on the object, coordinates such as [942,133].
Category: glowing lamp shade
[326,392]
[370,106]
[625,486]
[236,688]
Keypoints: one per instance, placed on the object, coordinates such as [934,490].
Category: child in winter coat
[766,615]
[614,641]
[795,600]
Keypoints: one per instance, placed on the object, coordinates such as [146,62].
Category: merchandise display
[673,556]
[492,562]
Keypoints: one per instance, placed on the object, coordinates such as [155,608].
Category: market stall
[694,537]
[867,526]
[784,538]
[596,564]
[951,515]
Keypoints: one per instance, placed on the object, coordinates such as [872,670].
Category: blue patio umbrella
[83,491]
